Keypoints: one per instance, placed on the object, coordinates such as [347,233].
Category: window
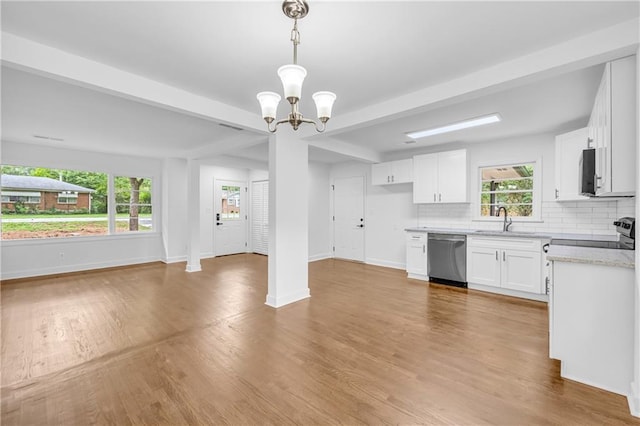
[230,202]
[133,204]
[21,197]
[68,197]
[511,187]
[66,203]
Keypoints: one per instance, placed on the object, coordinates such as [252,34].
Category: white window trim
[537,192]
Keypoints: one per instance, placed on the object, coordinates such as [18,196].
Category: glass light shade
[292,77]
[324,102]
[268,103]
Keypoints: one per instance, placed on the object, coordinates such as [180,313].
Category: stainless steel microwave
[588,172]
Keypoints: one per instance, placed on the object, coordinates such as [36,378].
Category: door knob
[360,226]
[218,223]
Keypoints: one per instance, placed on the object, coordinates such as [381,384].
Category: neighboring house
[42,193]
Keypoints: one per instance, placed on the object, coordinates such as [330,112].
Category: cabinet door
[452,176]
[483,266]
[425,178]
[417,254]
[569,147]
[381,174]
[603,133]
[521,271]
[402,171]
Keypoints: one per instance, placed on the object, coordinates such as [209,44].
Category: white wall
[22,258]
[591,217]
[175,233]
[319,212]
[389,209]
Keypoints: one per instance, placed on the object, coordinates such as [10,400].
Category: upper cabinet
[569,147]
[440,177]
[612,129]
[391,172]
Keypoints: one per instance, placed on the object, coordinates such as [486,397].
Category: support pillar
[288,219]
[193,215]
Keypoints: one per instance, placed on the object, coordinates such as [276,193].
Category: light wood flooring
[153,344]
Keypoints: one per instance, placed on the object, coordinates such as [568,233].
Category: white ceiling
[366,52]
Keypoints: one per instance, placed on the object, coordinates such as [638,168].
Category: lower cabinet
[417,255]
[505,263]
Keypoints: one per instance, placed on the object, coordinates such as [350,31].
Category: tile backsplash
[577,217]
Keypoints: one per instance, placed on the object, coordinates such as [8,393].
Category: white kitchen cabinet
[417,255]
[569,147]
[391,172]
[513,264]
[612,129]
[440,177]
[592,324]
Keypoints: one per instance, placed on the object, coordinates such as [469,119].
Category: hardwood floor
[153,344]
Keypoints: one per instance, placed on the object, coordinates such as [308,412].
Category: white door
[260,217]
[452,176]
[230,230]
[521,271]
[425,178]
[483,266]
[348,219]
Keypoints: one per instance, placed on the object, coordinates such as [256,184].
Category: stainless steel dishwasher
[447,258]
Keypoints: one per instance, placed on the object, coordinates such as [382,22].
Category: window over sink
[512,186]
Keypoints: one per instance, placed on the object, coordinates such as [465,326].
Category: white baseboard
[64,269]
[321,256]
[634,399]
[277,302]
[385,263]
[174,259]
[508,292]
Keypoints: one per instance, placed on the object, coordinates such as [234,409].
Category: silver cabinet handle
[503,257]
[388,179]
[424,250]
[439,197]
[393,178]
[557,194]
[496,255]
[434,197]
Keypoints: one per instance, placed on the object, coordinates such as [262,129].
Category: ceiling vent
[49,138]
[229,126]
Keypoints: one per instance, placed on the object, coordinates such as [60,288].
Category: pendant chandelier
[292,76]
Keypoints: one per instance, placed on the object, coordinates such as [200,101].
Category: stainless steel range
[626,227]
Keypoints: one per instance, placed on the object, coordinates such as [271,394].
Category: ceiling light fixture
[292,76]
[474,122]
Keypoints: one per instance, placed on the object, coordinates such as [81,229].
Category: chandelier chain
[295,39]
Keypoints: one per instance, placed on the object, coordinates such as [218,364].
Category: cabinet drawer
[508,243]
[417,237]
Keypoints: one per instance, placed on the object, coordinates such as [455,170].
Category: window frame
[536,205]
[111,230]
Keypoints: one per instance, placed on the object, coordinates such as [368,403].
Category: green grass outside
[71,216]
[67,227]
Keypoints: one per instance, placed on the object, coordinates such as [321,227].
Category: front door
[230,230]
[348,223]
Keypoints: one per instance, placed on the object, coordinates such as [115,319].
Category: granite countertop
[595,256]
[482,232]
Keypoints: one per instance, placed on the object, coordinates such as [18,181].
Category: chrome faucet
[505,225]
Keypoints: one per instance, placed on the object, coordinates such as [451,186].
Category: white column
[193,215]
[634,394]
[288,219]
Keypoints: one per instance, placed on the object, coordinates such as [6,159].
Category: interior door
[230,230]
[260,217]
[348,223]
